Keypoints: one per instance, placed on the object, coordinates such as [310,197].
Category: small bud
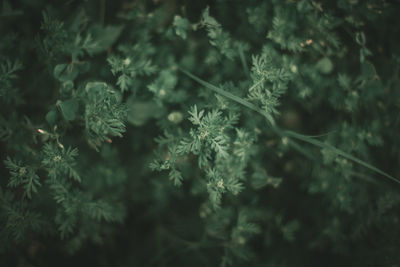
[220,184]
[127,61]
[257,130]
[22,171]
[285,141]
[41,131]
[241,240]
[175,117]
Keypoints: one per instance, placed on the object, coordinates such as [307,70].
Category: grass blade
[338,152]
[294,135]
[224,93]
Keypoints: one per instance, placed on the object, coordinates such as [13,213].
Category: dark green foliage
[60,161]
[210,133]
[104,114]
[22,176]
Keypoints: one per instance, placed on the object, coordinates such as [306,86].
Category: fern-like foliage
[218,37]
[60,161]
[269,83]
[267,127]
[8,73]
[135,62]
[23,176]
[104,113]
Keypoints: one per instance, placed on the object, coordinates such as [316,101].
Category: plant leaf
[69,109]
[297,136]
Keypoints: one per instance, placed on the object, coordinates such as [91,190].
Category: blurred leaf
[325,65]
[64,72]
[51,117]
[69,109]
[104,37]
[139,112]
[368,70]
[181,25]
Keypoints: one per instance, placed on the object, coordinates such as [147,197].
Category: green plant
[176,133]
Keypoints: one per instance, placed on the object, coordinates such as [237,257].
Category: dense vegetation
[199,133]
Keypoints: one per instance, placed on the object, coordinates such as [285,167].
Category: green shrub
[194,133]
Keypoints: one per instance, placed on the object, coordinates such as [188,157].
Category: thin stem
[243,60]
[256,84]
